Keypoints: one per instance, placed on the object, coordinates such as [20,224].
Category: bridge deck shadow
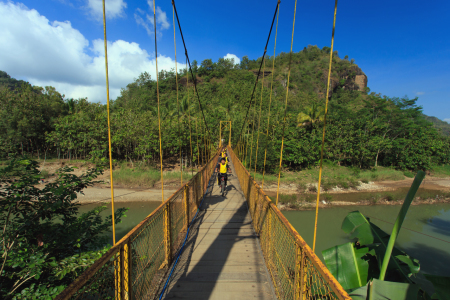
[222,258]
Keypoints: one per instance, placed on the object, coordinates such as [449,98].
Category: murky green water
[136,213]
[425,233]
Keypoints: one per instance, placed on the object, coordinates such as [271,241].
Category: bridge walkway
[222,258]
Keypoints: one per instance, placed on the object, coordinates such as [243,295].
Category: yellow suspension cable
[246,151]
[109,126]
[251,146]
[189,116]
[178,104]
[324,126]
[204,138]
[209,148]
[198,149]
[285,105]
[259,117]
[159,116]
[270,99]
[204,145]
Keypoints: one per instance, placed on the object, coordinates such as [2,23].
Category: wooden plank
[222,258]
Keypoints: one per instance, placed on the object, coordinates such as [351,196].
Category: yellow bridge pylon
[226,124]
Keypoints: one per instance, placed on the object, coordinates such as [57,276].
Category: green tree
[45,243]
[312,116]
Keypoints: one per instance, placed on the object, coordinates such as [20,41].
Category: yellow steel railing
[297,273]
[135,267]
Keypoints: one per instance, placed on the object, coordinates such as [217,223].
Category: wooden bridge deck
[222,258]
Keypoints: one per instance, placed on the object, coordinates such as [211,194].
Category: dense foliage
[45,243]
[363,129]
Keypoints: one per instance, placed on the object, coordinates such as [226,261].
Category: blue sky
[402,46]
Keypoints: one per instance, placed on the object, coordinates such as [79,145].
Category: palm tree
[313,114]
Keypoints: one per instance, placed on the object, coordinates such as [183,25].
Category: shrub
[344,185]
[353,183]
[389,197]
[45,174]
[327,185]
[312,188]
[355,171]
[409,174]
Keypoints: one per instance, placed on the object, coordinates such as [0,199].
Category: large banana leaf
[347,264]
[363,230]
[368,234]
[441,286]
[378,290]
[359,293]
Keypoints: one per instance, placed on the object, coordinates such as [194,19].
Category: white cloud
[447,120]
[114,8]
[233,57]
[420,93]
[146,20]
[55,53]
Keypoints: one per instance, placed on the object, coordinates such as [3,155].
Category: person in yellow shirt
[222,168]
[224,155]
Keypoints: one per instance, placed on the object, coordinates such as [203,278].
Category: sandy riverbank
[102,195]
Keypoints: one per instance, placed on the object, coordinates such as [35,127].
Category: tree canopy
[364,129]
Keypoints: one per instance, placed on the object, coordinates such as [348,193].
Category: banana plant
[372,268]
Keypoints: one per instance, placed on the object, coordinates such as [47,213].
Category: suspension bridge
[199,244]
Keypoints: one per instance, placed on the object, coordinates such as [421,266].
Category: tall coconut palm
[313,114]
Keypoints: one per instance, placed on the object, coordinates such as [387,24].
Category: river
[425,233]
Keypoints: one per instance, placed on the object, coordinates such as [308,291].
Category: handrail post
[117,277]
[167,233]
[298,272]
[303,277]
[186,204]
[128,270]
[202,188]
[122,273]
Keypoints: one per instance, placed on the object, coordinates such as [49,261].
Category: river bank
[381,193]
[431,191]
[323,204]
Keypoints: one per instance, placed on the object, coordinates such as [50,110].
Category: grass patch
[441,171]
[144,176]
[286,178]
[380,174]
[333,176]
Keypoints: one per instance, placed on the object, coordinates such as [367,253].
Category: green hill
[443,126]
[364,129]
[10,83]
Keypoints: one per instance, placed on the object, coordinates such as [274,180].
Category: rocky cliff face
[361,82]
[354,79]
